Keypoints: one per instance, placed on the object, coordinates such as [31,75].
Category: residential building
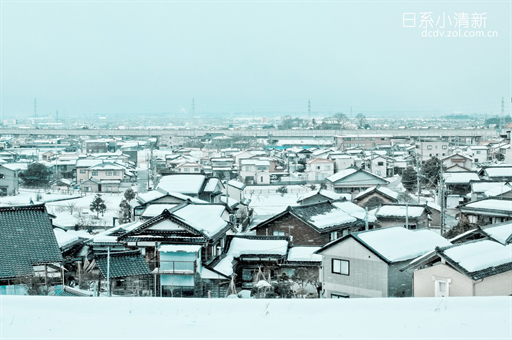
[361,141]
[353,180]
[368,263]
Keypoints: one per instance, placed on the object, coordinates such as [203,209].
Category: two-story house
[318,169]
[255,171]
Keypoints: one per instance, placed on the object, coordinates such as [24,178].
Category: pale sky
[146,57]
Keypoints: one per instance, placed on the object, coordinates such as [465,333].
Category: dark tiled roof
[26,239]
[123,264]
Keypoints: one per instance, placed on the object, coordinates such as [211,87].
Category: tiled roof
[26,239]
[123,264]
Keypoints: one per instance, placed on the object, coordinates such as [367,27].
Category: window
[187,169]
[380,163]
[278,233]
[442,286]
[333,236]
[247,168]
[109,173]
[261,179]
[318,167]
[478,152]
[116,173]
[82,171]
[338,296]
[429,147]
[445,147]
[2,176]
[476,160]
[340,267]
[196,169]
[95,173]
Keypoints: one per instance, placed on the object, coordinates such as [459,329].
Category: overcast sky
[139,57]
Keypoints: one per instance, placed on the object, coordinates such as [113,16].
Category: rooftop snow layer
[400,244]
[304,254]
[480,255]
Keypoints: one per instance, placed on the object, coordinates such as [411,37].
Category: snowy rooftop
[484,186]
[185,184]
[480,255]
[400,244]
[211,185]
[341,174]
[500,232]
[201,218]
[156,209]
[242,246]
[399,211]
[491,204]
[326,193]
[304,254]
[498,190]
[383,190]
[354,210]
[171,248]
[499,172]
[460,177]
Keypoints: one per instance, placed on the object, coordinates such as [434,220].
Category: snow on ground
[39,317]
[65,219]
[24,196]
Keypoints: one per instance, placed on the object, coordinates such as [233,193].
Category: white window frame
[437,286]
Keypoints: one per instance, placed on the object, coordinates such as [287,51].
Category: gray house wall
[399,283]
[368,274]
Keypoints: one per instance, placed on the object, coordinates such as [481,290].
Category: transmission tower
[502,116]
[193,107]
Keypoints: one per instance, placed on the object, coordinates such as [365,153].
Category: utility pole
[309,110]
[418,178]
[108,271]
[502,116]
[441,197]
[366,218]
[406,215]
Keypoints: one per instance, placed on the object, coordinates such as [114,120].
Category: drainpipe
[475,283]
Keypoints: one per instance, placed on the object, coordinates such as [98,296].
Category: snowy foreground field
[157,318]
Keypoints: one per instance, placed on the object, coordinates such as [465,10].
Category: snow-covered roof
[201,218]
[501,232]
[244,246]
[483,186]
[498,190]
[399,244]
[460,177]
[475,256]
[341,174]
[65,238]
[236,184]
[211,185]
[172,248]
[306,254]
[156,209]
[184,184]
[331,195]
[399,211]
[499,172]
[491,204]
[383,190]
[354,210]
